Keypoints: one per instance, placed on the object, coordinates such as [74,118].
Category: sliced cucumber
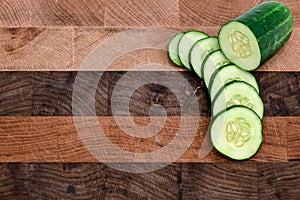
[186,43]
[238,93]
[173,49]
[257,35]
[200,50]
[236,132]
[227,74]
[211,63]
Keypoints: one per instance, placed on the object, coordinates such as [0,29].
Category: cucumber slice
[211,63]
[252,38]
[238,93]
[236,132]
[186,43]
[227,74]
[173,49]
[200,50]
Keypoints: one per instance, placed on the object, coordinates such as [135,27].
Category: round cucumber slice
[173,49]
[200,50]
[238,93]
[236,132]
[186,43]
[211,63]
[227,74]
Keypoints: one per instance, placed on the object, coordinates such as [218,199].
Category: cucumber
[173,49]
[200,50]
[236,132]
[252,38]
[211,63]
[238,93]
[186,43]
[227,74]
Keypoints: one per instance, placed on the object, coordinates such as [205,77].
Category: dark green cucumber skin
[225,110]
[272,24]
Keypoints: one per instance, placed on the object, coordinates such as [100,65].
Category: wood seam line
[30,12]
[73,48]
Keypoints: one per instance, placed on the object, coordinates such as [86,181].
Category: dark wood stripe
[50,93]
[242,180]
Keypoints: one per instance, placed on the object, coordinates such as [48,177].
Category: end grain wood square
[293,139]
[279,180]
[68,12]
[219,181]
[34,49]
[15,13]
[141,13]
[16,93]
[273,147]
[87,39]
[211,13]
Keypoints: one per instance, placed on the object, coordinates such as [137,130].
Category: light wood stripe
[60,49]
[56,139]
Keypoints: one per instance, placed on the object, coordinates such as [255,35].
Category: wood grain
[50,93]
[68,13]
[56,138]
[279,180]
[15,13]
[141,13]
[216,13]
[36,141]
[220,181]
[293,140]
[35,49]
[16,93]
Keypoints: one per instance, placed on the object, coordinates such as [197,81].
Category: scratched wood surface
[44,43]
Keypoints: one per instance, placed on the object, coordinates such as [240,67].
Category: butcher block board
[46,52]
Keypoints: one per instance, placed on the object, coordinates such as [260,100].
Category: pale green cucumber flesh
[238,93]
[200,50]
[252,38]
[173,49]
[211,63]
[227,74]
[236,132]
[186,43]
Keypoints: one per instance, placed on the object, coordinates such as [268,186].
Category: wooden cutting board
[43,46]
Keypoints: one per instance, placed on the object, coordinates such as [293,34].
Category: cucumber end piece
[240,45]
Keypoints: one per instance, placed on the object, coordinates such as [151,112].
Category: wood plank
[219,12]
[56,138]
[279,180]
[141,13]
[36,49]
[15,13]
[50,93]
[68,13]
[7,183]
[88,39]
[161,184]
[293,140]
[219,181]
